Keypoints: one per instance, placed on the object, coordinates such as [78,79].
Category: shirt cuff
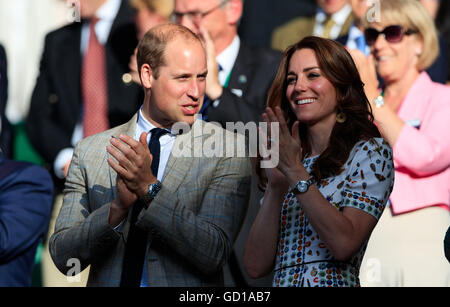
[63,157]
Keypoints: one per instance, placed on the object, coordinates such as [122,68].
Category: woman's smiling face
[311,96]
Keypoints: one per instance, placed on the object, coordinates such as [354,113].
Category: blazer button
[53,98]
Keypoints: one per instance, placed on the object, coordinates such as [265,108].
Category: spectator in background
[26,193]
[412,114]
[149,13]
[78,96]
[239,78]
[356,40]
[83,87]
[332,19]
[261,17]
[355,37]
[6,133]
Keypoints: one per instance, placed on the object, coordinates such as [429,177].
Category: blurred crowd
[87,81]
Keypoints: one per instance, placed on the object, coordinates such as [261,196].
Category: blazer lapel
[180,160]
[68,64]
[346,26]
[242,68]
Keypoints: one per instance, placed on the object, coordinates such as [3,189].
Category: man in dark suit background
[58,105]
[239,78]
[5,127]
[26,193]
[332,19]
[261,17]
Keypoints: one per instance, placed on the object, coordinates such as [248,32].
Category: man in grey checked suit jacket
[194,219]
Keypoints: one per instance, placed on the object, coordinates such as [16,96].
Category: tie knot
[93,21]
[327,26]
[157,133]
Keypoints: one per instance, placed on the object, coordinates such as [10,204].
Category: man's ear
[146,76]
[234,11]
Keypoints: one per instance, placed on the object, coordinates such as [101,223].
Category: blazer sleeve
[426,151]
[80,232]
[205,237]
[25,204]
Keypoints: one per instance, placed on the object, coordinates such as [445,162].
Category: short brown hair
[152,46]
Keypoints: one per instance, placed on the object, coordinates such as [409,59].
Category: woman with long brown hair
[334,176]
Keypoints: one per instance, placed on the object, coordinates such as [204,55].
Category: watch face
[302,186]
[153,189]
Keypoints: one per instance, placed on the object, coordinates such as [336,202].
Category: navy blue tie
[133,261]
[155,148]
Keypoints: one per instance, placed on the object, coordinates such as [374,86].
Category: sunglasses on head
[392,34]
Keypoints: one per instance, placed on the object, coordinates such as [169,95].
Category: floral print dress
[303,260]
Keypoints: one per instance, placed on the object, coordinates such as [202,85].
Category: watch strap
[153,190]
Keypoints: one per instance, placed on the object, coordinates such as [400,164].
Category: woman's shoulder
[369,149]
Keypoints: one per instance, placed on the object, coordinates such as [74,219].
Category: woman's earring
[341,117]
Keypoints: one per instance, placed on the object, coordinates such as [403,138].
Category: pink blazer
[422,151]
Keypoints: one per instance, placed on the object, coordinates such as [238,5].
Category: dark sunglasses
[392,34]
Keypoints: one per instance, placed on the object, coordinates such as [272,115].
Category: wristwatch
[379,101]
[153,189]
[302,186]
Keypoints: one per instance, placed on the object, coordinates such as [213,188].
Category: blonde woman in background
[412,114]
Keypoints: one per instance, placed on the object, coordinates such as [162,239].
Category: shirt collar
[109,10]
[106,15]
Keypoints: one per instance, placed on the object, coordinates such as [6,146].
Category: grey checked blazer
[192,223]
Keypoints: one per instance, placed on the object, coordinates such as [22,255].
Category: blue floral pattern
[303,259]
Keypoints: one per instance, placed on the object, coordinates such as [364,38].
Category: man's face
[331,6]
[177,94]
[214,21]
